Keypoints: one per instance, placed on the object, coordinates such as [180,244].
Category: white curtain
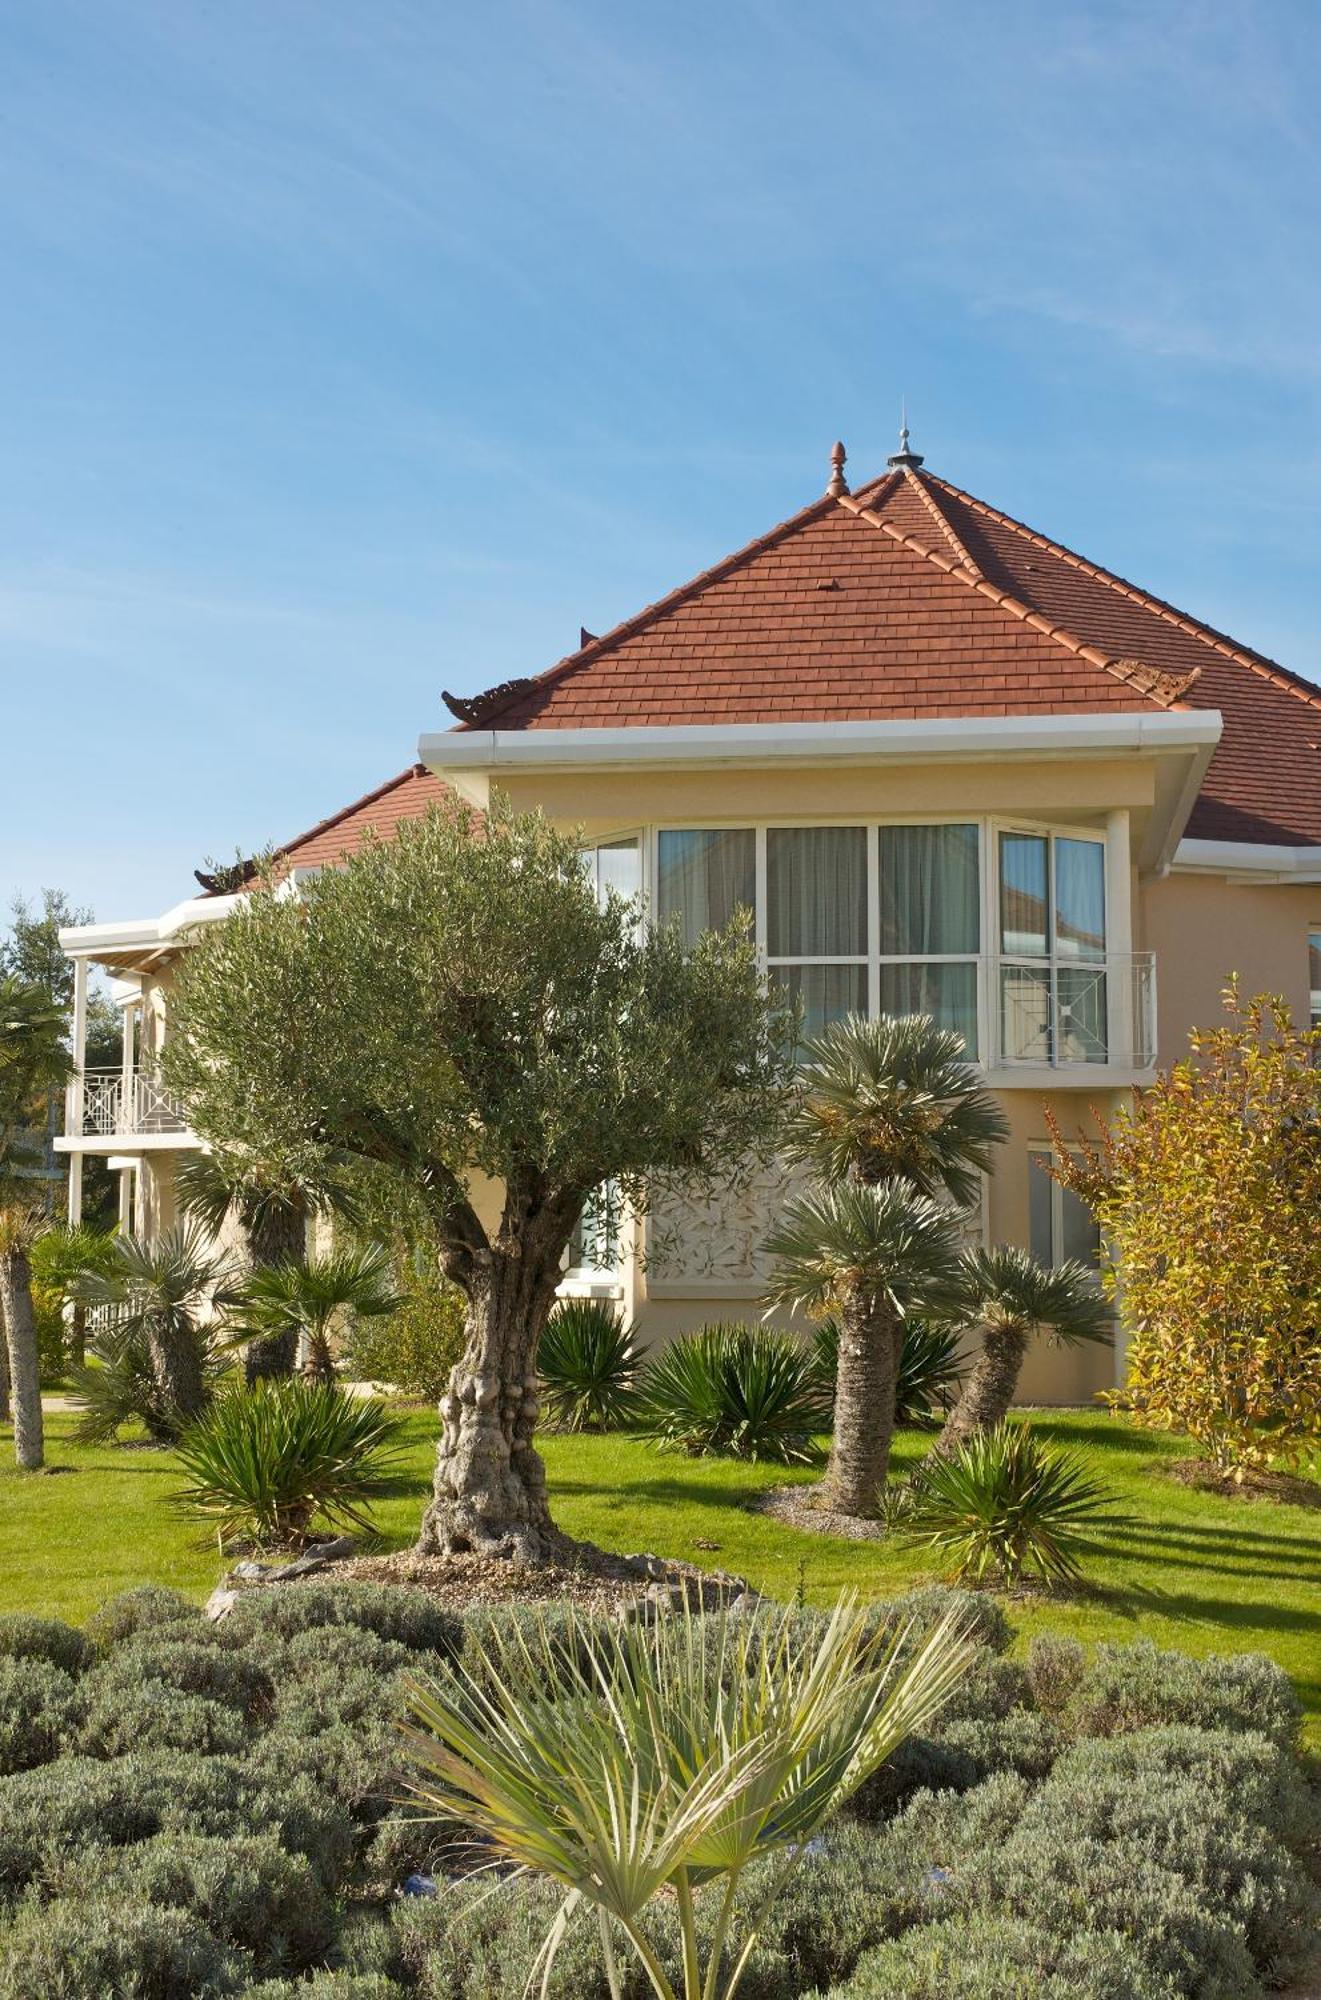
[816,892]
[930,895]
[703,877]
[1079,898]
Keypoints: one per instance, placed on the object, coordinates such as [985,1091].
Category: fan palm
[872,1256]
[894,1099]
[307,1299]
[677,1757]
[60,1260]
[1012,1299]
[162,1292]
[34,1061]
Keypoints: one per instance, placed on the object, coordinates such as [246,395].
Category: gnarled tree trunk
[24,1358]
[988,1393]
[489,1495]
[870,1336]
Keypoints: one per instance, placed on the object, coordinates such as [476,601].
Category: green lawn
[1188,1570]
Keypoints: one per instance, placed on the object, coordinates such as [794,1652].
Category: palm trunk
[870,1334]
[277,1234]
[24,1360]
[989,1391]
[490,1486]
[319,1366]
[4,1367]
[78,1334]
[176,1358]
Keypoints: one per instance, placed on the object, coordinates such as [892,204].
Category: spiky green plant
[121,1388]
[1009,1298]
[739,1391]
[676,1758]
[266,1463]
[165,1297]
[1005,1508]
[929,1368]
[588,1360]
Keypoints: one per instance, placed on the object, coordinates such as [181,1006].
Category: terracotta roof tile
[406,797]
[911,598]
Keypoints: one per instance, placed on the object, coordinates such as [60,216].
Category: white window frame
[987,959]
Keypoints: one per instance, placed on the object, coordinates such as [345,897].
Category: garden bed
[590,1578]
[214,1809]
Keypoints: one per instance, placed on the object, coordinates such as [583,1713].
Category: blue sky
[352,351]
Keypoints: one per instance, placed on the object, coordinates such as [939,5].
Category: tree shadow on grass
[1232,1552]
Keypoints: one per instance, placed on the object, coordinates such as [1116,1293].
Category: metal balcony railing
[114,1104]
[1060,1013]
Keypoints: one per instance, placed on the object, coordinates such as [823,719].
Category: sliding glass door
[1053,985]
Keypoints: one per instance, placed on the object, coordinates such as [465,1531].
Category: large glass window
[704,877]
[816,919]
[1052,909]
[929,881]
[615,865]
[1061,1228]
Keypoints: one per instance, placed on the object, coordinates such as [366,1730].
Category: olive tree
[456,1009]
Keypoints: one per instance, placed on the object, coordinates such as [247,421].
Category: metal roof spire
[904,456]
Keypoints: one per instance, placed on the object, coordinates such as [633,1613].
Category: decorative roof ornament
[838,483]
[478,708]
[904,457]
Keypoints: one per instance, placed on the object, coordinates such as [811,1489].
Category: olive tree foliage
[456,1009]
[1208,1191]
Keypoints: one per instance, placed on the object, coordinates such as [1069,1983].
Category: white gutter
[1250,860]
[86,940]
[455,753]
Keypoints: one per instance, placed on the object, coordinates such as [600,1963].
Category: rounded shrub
[90,1948]
[1055,1667]
[247,1891]
[191,1666]
[50,1639]
[328,1986]
[136,1611]
[939,1829]
[1135,1687]
[126,1716]
[1001,1958]
[415,1348]
[1263,1783]
[978,1614]
[39,1706]
[411,1618]
[79,1803]
[734,1391]
[353,1767]
[348,1649]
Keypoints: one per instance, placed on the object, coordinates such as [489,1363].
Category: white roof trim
[455,754]
[1255,861]
[87,940]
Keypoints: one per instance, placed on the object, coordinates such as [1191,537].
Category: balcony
[1063,1014]
[118,1104]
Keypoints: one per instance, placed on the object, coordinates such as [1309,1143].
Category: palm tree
[871,1256]
[1012,1298]
[672,1759]
[891,1104]
[303,1301]
[162,1293]
[34,1061]
[63,1258]
[894,1099]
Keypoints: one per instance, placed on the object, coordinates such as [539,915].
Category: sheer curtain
[930,891]
[816,892]
[704,876]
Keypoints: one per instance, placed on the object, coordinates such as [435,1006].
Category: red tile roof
[911,599]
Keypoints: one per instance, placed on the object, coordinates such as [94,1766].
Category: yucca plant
[266,1463]
[928,1375]
[677,1757]
[735,1391]
[1004,1508]
[588,1360]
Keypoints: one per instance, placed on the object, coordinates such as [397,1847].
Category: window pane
[930,896]
[617,868]
[827,992]
[1040,1198]
[1025,1025]
[947,992]
[816,892]
[1080,1234]
[1314,962]
[594,1245]
[703,878]
[1079,898]
[1023,894]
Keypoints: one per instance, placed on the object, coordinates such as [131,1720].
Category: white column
[74,1098]
[127,1108]
[1119,935]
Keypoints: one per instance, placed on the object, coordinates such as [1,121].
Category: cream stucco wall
[1202,928]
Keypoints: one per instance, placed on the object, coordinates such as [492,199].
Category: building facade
[950,767]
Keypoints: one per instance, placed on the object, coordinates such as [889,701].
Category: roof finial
[838,483]
[904,456]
